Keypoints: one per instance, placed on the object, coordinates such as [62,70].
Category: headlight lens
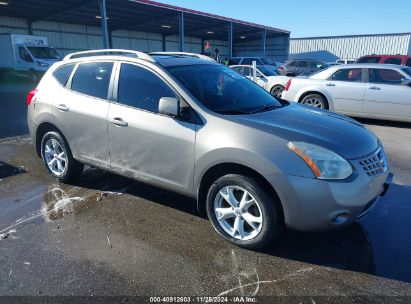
[324,163]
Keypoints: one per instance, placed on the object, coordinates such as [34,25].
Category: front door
[347,88]
[385,97]
[143,143]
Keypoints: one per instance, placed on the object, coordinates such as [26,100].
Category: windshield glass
[222,90]
[267,61]
[266,71]
[43,52]
[407,71]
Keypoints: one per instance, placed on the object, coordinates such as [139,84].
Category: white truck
[26,55]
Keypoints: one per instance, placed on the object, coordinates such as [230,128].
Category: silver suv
[254,164]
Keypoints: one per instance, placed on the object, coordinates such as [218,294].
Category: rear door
[143,143]
[81,112]
[347,87]
[385,97]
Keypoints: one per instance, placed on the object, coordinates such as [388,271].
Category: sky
[305,18]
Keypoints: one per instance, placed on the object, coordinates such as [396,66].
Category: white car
[346,61]
[266,78]
[360,90]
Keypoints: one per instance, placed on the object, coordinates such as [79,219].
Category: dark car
[386,59]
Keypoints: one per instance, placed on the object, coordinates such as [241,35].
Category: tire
[277,90]
[264,209]
[315,100]
[55,150]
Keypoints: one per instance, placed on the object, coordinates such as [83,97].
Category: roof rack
[182,54]
[103,52]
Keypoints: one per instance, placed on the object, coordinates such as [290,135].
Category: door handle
[330,85]
[62,107]
[375,88]
[119,122]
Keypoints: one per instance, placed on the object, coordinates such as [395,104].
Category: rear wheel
[242,212]
[277,90]
[315,100]
[58,159]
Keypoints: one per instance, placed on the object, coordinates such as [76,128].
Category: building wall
[332,48]
[276,48]
[68,38]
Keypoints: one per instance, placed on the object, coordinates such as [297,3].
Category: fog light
[340,218]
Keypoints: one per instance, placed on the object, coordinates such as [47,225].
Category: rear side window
[140,88]
[375,59]
[385,76]
[302,64]
[63,73]
[92,79]
[352,75]
[408,63]
[393,61]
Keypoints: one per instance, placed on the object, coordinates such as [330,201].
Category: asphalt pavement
[108,235]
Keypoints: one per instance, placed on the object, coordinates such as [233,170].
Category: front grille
[374,163]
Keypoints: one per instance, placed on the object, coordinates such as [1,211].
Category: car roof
[370,65]
[178,60]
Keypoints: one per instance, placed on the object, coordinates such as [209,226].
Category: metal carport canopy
[139,15]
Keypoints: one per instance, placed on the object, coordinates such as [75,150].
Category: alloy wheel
[55,157]
[238,213]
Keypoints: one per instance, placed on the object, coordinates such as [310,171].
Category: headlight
[324,163]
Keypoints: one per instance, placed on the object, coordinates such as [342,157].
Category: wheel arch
[221,169]
[42,129]
[327,98]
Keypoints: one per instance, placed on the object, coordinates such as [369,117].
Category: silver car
[362,90]
[254,164]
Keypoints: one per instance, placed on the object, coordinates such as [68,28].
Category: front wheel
[58,159]
[242,212]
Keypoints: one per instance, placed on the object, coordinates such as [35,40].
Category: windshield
[407,71]
[222,90]
[267,61]
[43,52]
[266,71]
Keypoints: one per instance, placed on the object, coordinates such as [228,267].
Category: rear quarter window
[393,61]
[92,79]
[63,73]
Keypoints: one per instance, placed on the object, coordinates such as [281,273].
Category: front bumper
[313,204]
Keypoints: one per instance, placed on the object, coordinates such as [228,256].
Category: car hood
[335,132]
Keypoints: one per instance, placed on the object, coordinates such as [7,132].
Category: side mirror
[169,106]
[406,82]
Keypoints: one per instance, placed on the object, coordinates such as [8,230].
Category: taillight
[281,68]
[31,95]
[287,86]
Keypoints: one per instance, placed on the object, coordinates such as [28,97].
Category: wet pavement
[109,235]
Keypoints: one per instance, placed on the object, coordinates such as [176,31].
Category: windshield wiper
[264,108]
[233,112]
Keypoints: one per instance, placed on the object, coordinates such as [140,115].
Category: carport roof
[140,15]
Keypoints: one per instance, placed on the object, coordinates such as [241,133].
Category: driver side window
[141,88]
